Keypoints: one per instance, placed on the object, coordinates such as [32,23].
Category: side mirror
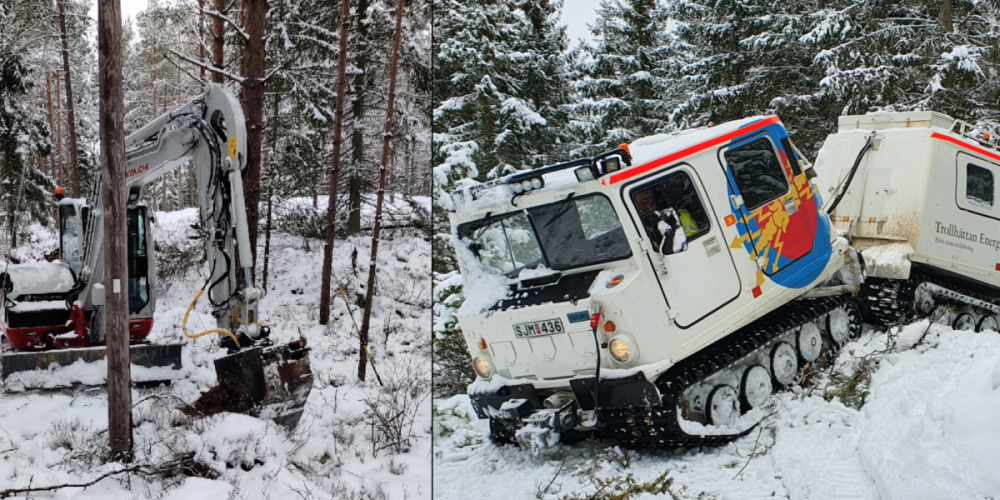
[673,239]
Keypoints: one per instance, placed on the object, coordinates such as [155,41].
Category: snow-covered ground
[54,437]
[928,429]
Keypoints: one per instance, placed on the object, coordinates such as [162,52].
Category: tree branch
[207,67]
[14,491]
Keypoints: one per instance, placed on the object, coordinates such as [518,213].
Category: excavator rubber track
[147,355]
[658,427]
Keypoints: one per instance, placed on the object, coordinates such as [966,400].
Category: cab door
[698,281]
[776,219]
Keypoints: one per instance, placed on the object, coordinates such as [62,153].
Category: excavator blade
[267,382]
[147,355]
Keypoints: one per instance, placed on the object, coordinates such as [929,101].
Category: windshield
[71,226]
[575,232]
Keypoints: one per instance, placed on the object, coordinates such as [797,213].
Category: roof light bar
[588,169]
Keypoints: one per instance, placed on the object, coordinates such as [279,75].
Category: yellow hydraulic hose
[206,332]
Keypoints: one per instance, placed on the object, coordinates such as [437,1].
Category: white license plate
[536,328]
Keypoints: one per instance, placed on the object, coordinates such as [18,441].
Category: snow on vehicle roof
[656,146]
[39,277]
[642,150]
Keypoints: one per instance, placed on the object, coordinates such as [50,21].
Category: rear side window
[979,186]
[758,172]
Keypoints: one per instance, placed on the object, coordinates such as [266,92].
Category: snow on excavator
[52,313]
[656,293]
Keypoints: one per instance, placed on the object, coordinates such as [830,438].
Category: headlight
[620,350]
[482,367]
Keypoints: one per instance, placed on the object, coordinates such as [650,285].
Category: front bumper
[513,405]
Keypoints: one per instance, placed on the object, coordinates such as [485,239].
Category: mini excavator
[53,312]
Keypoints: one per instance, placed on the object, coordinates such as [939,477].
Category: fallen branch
[546,490]
[14,491]
[753,453]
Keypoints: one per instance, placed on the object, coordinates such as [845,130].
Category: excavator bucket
[147,355]
[267,382]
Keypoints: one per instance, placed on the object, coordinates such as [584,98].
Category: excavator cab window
[979,186]
[758,172]
[71,237]
[138,260]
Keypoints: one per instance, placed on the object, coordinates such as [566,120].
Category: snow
[41,305]
[660,145]
[83,373]
[53,436]
[926,431]
[39,277]
[888,261]
[482,288]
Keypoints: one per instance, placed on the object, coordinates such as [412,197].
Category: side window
[979,186]
[675,191]
[758,172]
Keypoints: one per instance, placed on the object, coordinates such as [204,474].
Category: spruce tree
[24,134]
[899,56]
[624,83]
[746,58]
[500,81]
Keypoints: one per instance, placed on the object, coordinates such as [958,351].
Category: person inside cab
[663,222]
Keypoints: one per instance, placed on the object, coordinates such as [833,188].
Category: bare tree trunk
[253,106]
[243,25]
[383,167]
[59,141]
[218,40]
[48,106]
[11,193]
[201,37]
[270,184]
[338,128]
[74,170]
[358,110]
[115,264]
[947,16]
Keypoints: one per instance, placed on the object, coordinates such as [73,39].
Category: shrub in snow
[391,409]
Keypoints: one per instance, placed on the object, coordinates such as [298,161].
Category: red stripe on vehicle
[964,144]
[697,148]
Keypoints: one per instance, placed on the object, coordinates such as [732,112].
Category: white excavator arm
[210,133]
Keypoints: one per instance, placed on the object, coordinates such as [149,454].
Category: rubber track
[889,300]
[892,300]
[658,426]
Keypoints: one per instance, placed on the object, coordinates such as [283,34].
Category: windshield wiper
[561,210]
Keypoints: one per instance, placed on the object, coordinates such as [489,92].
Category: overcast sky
[575,15]
[130,8]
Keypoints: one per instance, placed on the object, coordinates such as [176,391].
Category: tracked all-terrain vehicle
[52,312]
[657,293]
[917,194]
